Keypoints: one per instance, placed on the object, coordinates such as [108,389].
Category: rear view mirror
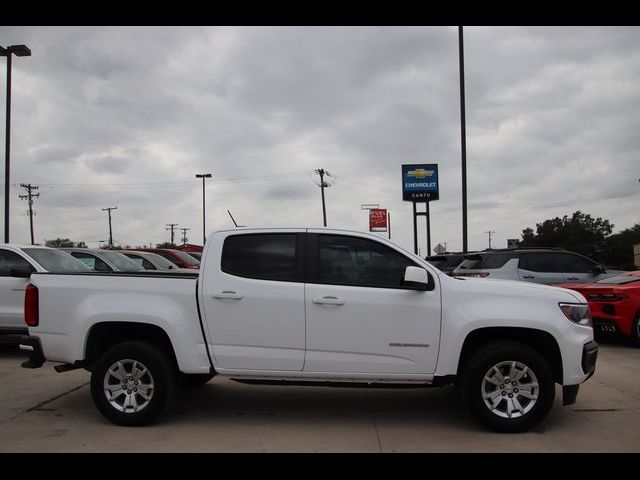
[418,279]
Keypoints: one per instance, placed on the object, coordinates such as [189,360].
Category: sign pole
[415,229]
[389,223]
[428,231]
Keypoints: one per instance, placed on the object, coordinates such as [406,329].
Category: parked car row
[613,296]
[18,262]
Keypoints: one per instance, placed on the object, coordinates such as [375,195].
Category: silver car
[104,260]
[17,263]
[537,265]
[153,261]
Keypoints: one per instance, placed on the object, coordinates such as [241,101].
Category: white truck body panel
[75,303]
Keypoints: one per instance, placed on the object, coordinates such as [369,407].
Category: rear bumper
[33,347]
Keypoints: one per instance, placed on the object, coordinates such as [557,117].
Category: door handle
[528,276]
[572,278]
[328,301]
[227,295]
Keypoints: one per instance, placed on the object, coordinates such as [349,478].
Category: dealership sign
[420,182]
[378,220]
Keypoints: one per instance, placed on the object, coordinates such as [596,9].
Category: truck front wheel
[508,386]
[133,383]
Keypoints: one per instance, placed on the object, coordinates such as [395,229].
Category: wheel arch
[104,335]
[540,340]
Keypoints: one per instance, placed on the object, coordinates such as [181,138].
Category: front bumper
[589,357]
[33,346]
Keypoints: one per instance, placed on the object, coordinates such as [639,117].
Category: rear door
[252,293]
[360,319]
[540,267]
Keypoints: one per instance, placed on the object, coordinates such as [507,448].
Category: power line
[30,196]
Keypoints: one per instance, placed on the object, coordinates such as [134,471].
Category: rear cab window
[262,256]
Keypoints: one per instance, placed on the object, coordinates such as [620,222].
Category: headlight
[577,313]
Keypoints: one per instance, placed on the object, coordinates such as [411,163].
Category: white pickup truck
[312,306]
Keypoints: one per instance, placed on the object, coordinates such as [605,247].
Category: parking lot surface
[43,411]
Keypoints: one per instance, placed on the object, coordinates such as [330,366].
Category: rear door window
[261,256]
[496,260]
[539,262]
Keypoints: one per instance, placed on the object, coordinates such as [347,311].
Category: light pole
[18,51]
[203,176]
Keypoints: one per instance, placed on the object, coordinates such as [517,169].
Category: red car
[178,257]
[614,303]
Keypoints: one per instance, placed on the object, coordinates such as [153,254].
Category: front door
[359,317]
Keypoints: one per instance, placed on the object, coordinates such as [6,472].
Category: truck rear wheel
[508,386]
[133,383]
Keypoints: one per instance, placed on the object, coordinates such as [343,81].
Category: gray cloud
[126,116]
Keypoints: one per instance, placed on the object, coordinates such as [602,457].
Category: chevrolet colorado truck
[312,306]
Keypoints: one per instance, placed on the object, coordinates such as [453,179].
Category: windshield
[56,261]
[121,262]
[619,279]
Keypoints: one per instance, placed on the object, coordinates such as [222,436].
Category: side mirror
[598,269]
[418,278]
[21,272]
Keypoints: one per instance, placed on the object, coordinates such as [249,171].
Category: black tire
[156,382]
[635,331]
[486,373]
[193,380]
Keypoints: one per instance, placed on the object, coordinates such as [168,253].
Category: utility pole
[322,172]
[172,227]
[184,235]
[108,209]
[463,140]
[489,232]
[203,176]
[30,196]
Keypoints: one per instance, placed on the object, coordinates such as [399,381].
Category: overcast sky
[126,116]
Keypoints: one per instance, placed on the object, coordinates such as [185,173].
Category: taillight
[31,316]
[607,297]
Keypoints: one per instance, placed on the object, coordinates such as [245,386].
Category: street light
[204,231]
[18,51]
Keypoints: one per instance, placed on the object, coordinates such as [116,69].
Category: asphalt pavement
[44,411]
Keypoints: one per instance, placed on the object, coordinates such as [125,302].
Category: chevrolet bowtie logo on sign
[420,173]
[420,183]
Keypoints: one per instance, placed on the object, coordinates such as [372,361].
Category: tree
[579,233]
[64,243]
[619,248]
[166,245]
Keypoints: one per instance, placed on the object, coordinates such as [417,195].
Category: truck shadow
[223,398]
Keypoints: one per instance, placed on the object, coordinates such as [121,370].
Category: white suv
[537,265]
[17,263]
